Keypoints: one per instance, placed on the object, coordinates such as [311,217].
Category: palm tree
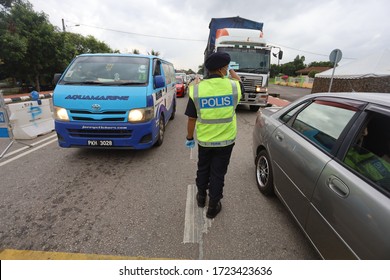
[153,52]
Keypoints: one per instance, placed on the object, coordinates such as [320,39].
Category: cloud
[306,28]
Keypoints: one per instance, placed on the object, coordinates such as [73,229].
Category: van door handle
[338,186]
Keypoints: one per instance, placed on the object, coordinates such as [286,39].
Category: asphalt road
[140,203]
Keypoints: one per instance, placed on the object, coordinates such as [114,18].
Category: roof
[374,65]
[307,70]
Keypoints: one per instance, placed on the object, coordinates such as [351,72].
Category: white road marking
[27,152]
[195,223]
[25,147]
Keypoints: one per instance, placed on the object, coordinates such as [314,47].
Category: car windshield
[249,60]
[179,80]
[107,70]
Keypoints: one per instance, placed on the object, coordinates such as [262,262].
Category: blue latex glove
[190,143]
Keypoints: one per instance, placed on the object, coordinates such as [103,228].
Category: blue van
[114,101]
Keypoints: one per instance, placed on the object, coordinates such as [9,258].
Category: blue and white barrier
[31,119]
[26,98]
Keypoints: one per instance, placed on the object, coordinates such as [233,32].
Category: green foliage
[312,74]
[32,49]
[153,52]
[290,68]
[320,64]
[201,69]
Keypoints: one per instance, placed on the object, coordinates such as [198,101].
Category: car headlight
[61,114]
[141,115]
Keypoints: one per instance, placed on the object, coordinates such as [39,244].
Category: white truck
[249,52]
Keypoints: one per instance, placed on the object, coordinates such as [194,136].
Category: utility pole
[63,25]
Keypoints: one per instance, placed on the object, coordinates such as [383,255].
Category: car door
[349,217]
[301,149]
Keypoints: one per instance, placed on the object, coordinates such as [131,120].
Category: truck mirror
[159,81]
[280,54]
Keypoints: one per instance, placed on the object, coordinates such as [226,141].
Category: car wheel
[161,131]
[254,108]
[264,175]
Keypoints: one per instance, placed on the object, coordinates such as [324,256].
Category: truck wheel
[264,175]
[254,108]
[161,131]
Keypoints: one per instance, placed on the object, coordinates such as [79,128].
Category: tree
[201,69]
[321,63]
[135,51]
[153,52]
[275,70]
[8,3]
[291,67]
[33,49]
[27,42]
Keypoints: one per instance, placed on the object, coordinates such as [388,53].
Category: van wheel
[264,174]
[161,131]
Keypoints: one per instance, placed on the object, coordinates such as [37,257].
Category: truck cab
[250,58]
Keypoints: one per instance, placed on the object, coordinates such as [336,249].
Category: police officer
[211,111]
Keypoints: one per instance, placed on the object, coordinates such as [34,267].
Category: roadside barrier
[31,119]
[26,98]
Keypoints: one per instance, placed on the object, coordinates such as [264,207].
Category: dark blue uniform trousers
[212,167]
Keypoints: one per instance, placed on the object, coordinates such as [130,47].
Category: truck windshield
[248,60]
[107,70]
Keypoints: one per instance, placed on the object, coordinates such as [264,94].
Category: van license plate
[100,143]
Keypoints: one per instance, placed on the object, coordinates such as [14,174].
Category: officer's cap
[217,60]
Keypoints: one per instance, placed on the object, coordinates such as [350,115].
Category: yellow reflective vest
[215,101]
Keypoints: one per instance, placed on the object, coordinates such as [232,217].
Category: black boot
[201,199]
[214,208]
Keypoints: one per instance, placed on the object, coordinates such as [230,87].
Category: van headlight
[141,115]
[61,114]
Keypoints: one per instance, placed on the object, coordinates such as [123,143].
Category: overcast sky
[178,29]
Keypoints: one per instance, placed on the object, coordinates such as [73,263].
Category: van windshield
[108,70]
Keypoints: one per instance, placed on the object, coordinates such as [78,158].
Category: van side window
[157,67]
[369,154]
[316,122]
[168,78]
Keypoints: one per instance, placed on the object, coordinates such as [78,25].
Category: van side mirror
[56,78]
[159,81]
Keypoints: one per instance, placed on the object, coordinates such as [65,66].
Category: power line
[140,34]
[188,39]
[319,54]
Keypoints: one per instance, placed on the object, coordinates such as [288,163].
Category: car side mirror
[159,81]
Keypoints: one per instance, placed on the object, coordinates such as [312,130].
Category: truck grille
[250,83]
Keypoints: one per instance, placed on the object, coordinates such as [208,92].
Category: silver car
[326,156]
